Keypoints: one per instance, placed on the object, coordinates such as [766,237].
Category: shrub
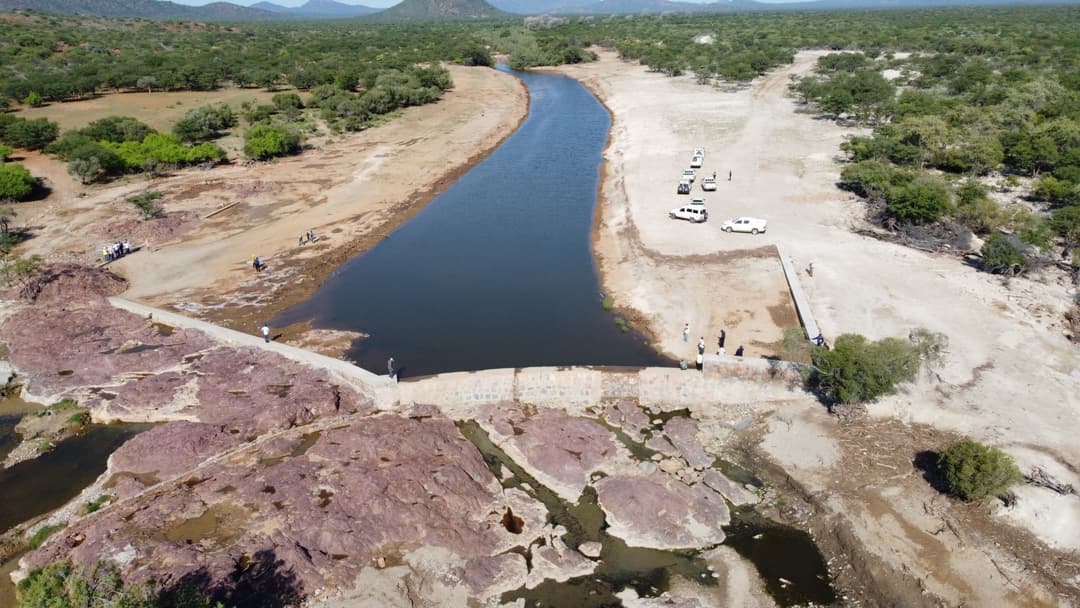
[29,134]
[43,533]
[1002,254]
[267,141]
[205,123]
[5,151]
[16,183]
[974,471]
[926,199]
[34,99]
[857,370]
[93,161]
[145,204]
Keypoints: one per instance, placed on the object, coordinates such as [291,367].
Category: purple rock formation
[660,512]
[562,451]
[59,349]
[311,509]
[167,450]
[628,416]
[682,432]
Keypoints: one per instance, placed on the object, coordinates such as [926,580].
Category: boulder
[659,512]
[683,434]
[736,493]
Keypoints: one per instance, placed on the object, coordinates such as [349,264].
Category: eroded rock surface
[560,450]
[313,509]
[660,512]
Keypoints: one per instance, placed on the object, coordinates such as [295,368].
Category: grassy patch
[42,535]
[60,406]
[97,503]
[45,446]
[607,303]
[79,419]
[622,324]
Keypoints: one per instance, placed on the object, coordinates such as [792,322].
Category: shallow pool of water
[497,271]
[47,482]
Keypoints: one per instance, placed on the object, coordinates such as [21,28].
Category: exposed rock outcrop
[660,512]
[311,509]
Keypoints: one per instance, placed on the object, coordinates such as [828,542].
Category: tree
[91,162]
[5,151]
[34,99]
[974,471]
[267,141]
[147,82]
[16,183]
[856,370]
[61,585]
[29,134]
[477,55]
[205,123]
[144,202]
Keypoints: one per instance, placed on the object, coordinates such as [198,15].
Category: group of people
[308,237]
[115,251]
[720,340]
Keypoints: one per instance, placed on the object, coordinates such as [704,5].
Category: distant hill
[144,9]
[440,10]
[317,9]
[556,7]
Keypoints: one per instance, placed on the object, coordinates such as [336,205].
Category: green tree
[5,151]
[16,183]
[268,141]
[34,99]
[61,585]
[857,370]
[205,123]
[28,134]
[974,471]
[146,204]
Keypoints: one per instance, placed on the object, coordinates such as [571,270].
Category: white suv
[688,175]
[752,225]
[693,213]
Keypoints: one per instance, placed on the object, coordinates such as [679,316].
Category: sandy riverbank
[1010,379]
[352,190]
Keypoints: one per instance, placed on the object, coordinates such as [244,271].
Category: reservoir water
[497,271]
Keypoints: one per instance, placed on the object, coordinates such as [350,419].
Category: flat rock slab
[310,510]
[561,451]
[659,512]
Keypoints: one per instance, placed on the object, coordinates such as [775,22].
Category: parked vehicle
[684,187]
[693,213]
[697,200]
[688,175]
[752,225]
[708,184]
[697,159]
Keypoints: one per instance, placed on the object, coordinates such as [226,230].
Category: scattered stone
[647,467]
[590,549]
[737,494]
[671,465]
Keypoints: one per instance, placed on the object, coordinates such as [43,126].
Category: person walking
[686,333]
[701,346]
[729,175]
[810,269]
[723,337]
[700,362]
[266,333]
[390,368]
[301,243]
[739,351]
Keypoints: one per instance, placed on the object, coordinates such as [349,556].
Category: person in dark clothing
[739,351]
[721,339]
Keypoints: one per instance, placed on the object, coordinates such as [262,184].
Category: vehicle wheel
[671,215]
[728,229]
[753,231]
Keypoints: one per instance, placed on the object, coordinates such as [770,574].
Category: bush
[974,471]
[34,99]
[205,123]
[29,134]
[145,204]
[5,151]
[116,129]
[92,161]
[926,199]
[43,533]
[857,370]
[266,141]
[16,183]
[1003,254]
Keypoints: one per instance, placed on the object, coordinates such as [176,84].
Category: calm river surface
[497,270]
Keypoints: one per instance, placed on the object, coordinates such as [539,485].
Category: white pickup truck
[752,225]
[708,184]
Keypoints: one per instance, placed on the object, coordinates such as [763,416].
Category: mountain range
[455,9]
